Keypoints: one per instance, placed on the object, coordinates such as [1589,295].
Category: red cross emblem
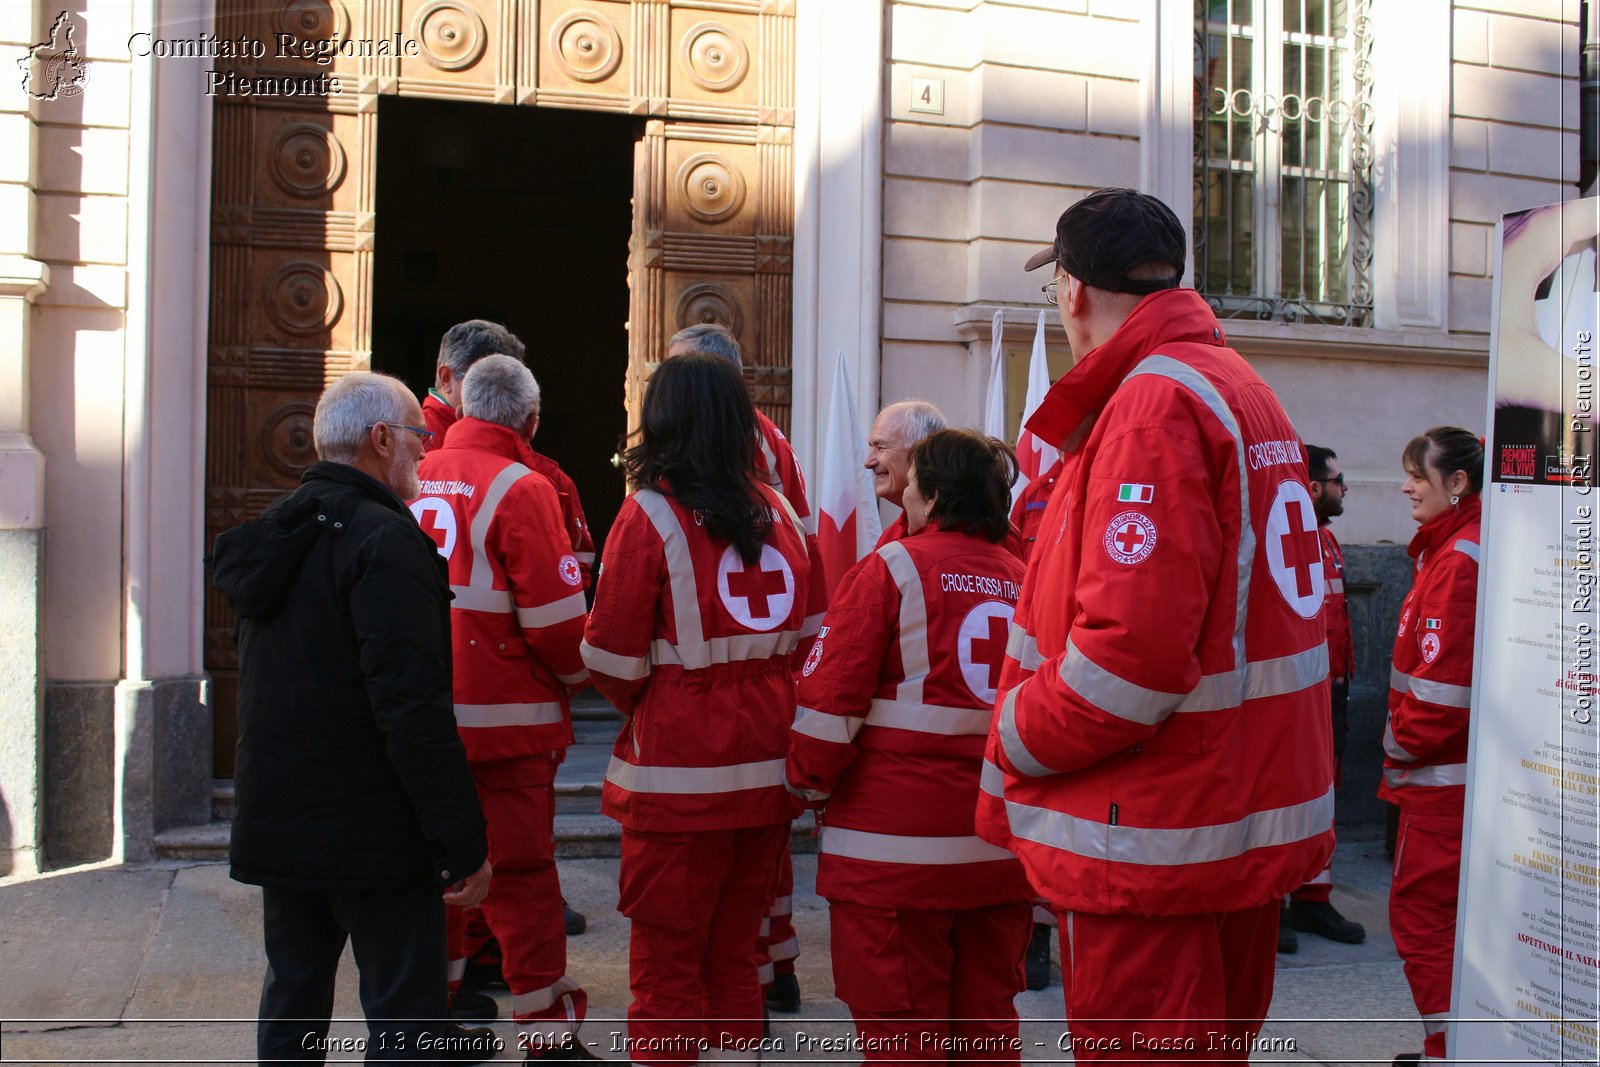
[981,647]
[760,594]
[1130,537]
[1294,549]
[438,521]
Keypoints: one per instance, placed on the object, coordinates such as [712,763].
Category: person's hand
[469,893]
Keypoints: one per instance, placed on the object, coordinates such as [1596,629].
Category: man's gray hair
[500,390]
[467,342]
[713,339]
[918,419]
[349,407]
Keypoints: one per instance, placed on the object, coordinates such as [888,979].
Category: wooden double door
[297,296]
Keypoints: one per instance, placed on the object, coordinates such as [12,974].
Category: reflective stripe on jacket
[895,703]
[1341,649]
[1430,682]
[1162,741]
[695,647]
[518,610]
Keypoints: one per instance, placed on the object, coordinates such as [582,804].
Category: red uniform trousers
[1200,985]
[779,944]
[931,985]
[1422,913]
[523,908]
[696,899]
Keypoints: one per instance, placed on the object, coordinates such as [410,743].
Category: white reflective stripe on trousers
[1438,775]
[839,729]
[787,949]
[929,718]
[479,594]
[1161,847]
[1442,693]
[913,636]
[554,613]
[695,780]
[1435,1023]
[488,716]
[899,848]
[524,1004]
[628,668]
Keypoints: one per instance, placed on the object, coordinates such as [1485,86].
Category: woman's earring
[1454,501]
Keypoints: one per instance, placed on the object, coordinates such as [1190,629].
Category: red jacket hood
[1074,402]
[480,436]
[1441,528]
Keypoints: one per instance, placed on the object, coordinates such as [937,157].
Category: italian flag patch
[1433,624]
[1130,493]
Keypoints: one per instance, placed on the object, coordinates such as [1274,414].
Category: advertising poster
[1527,986]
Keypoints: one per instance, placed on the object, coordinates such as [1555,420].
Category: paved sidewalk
[162,964]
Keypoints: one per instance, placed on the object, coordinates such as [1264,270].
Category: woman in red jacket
[929,922]
[1430,699]
[698,610]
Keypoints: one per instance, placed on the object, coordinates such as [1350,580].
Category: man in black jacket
[355,807]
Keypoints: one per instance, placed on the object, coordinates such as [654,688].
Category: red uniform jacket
[1027,514]
[900,529]
[1341,648]
[1162,745]
[439,416]
[517,617]
[895,702]
[1430,685]
[694,646]
[777,467]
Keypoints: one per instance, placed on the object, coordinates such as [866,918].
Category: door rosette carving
[303,297]
[713,190]
[450,34]
[714,57]
[306,160]
[709,302]
[586,46]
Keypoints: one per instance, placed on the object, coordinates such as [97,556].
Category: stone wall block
[1471,301]
[21,665]
[1046,98]
[1116,107]
[1534,153]
[939,36]
[1533,44]
[1512,95]
[913,149]
[182,752]
[916,269]
[1469,249]
[79,774]
[1469,144]
[934,209]
[74,160]
[1470,42]
[1051,158]
[82,229]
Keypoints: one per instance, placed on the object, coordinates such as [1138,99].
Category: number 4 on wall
[927,95]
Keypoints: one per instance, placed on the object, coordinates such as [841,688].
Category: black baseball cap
[1110,232]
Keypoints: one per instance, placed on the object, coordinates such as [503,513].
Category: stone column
[22,577]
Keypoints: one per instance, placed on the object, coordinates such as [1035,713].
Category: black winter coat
[350,774]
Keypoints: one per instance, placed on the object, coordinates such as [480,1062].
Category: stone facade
[104,731]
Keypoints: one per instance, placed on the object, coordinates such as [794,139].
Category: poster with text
[1527,984]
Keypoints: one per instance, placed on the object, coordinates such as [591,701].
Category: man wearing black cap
[1161,757]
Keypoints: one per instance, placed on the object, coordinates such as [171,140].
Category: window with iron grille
[1283,159]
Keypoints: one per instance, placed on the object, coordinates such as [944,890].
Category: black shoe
[576,923]
[471,1006]
[483,973]
[1321,917]
[1037,962]
[1405,1058]
[784,994]
[467,1044]
[1288,943]
[569,1050]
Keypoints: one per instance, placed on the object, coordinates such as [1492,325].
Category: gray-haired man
[898,427]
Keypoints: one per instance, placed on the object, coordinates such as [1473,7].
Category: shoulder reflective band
[913,621]
[479,594]
[1467,548]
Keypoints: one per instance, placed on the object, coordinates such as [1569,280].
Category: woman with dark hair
[1430,701]
[698,610]
[929,923]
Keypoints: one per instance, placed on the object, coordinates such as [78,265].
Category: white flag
[847,509]
[1034,456]
[994,403]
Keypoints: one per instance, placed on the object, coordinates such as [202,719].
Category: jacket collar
[344,474]
[1073,403]
[1441,528]
[480,436]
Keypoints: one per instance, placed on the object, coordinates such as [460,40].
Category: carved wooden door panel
[713,237]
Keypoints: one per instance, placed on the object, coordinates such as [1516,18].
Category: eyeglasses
[1337,479]
[1049,289]
[422,432]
